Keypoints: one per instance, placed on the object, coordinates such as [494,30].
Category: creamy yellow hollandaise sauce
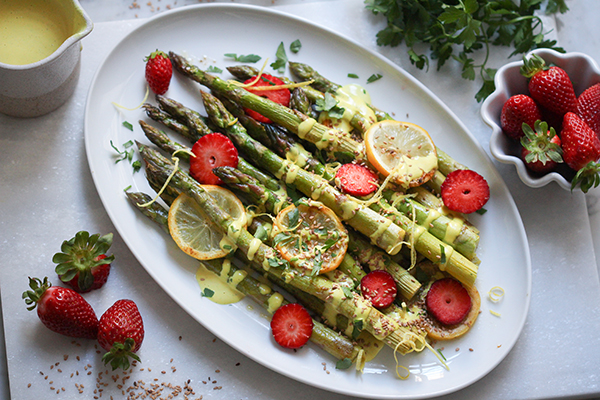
[30,30]
[354,99]
[222,287]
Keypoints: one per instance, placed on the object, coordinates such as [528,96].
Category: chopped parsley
[250,58]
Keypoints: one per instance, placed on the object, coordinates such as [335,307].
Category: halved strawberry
[211,151]
[82,262]
[465,191]
[291,326]
[356,180]
[448,301]
[379,287]
[588,107]
[516,111]
[541,149]
[279,96]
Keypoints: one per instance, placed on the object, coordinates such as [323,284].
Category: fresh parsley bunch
[459,28]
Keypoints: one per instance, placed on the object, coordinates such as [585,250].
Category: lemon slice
[312,236]
[195,233]
[403,150]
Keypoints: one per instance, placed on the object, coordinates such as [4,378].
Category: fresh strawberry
[62,310]
[82,262]
[279,96]
[541,149]
[356,180]
[211,151]
[379,287]
[448,301]
[121,333]
[516,111]
[588,107]
[581,151]
[291,326]
[549,86]
[465,191]
[158,71]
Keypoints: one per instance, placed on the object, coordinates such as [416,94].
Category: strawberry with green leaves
[541,149]
[581,151]
[551,87]
[121,333]
[61,310]
[82,261]
[518,110]
[158,72]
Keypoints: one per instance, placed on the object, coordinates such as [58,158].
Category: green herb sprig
[457,29]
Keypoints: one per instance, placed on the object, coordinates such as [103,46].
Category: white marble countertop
[47,195]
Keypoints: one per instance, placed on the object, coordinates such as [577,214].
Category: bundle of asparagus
[285,156]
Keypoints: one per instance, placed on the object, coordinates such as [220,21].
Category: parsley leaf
[373,78]
[128,125]
[281,60]
[126,154]
[295,46]
[329,104]
[344,363]
[250,58]
[213,69]
[457,30]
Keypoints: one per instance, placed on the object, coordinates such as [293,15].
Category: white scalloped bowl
[582,70]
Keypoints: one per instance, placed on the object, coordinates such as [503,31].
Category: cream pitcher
[40,53]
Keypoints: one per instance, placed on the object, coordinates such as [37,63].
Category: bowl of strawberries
[545,119]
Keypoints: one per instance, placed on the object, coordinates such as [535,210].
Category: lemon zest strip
[496,293]
[494,313]
[136,108]
[175,169]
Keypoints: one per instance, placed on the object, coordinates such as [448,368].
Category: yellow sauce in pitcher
[30,30]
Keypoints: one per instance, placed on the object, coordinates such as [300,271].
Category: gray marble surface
[43,161]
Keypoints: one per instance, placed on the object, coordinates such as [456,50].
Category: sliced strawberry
[448,301]
[516,111]
[541,149]
[211,151]
[61,310]
[291,326]
[465,191]
[158,71]
[588,107]
[82,262]
[379,287]
[356,179]
[279,96]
